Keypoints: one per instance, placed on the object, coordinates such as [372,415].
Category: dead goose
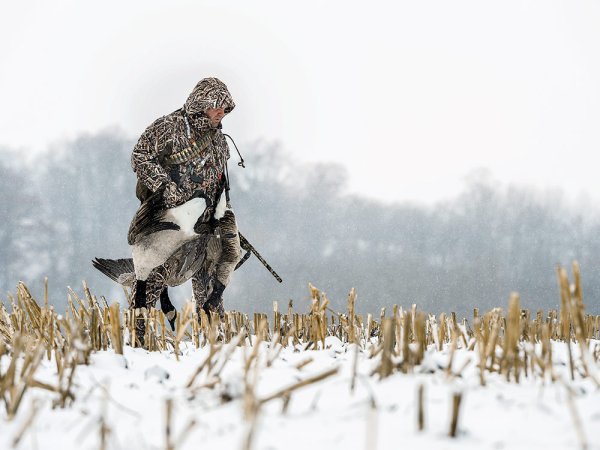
[176,239]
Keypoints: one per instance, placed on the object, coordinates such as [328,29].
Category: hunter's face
[215,115]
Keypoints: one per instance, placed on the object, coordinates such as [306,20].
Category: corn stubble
[515,344]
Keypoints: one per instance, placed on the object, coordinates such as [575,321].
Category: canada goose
[179,239]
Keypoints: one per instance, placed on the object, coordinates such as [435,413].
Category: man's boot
[140,311]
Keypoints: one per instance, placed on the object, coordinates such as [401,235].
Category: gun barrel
[248,246]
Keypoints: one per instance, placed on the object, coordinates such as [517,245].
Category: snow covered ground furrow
[126,397]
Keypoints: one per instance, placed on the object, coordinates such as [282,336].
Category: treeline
[75,202]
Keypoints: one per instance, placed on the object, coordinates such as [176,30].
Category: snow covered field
[121,403]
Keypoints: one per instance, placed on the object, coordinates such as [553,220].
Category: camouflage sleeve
[144,161]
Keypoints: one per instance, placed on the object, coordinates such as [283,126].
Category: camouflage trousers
[208,283]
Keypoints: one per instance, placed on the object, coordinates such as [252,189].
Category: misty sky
[410,96]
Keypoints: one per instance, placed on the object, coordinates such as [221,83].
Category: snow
[128,393]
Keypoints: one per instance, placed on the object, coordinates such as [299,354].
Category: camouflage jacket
[183,148]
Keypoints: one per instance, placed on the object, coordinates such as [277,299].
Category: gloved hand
[173,196]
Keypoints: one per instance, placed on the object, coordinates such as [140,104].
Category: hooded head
[208,93]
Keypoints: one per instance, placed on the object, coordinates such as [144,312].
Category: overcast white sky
[410,96]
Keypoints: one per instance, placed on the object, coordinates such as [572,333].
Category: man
[184,222]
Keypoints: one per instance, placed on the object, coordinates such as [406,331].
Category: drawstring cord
[241,163]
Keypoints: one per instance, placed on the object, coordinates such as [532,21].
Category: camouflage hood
[208,93]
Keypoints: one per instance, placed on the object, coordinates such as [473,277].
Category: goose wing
[149,219]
